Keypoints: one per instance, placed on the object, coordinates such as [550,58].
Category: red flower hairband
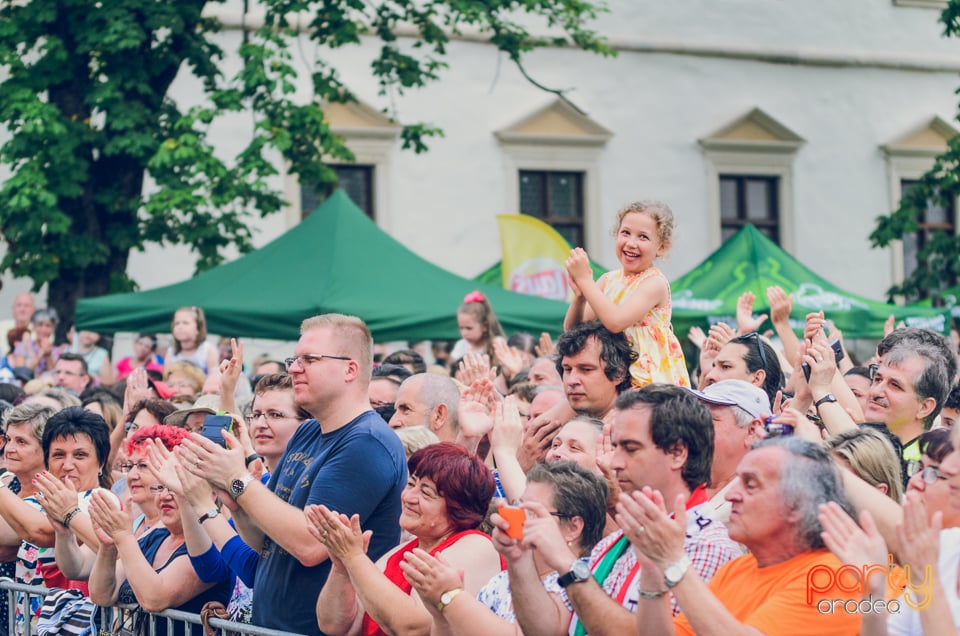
[474,297]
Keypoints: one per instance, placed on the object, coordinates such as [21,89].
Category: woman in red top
[446,499]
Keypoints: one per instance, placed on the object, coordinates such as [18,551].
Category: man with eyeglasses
[910,385]
[346,459]
[70,373]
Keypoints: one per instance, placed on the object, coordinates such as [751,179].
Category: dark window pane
[909,254]
[356,181]
[533,199]
[565,195]
[758,199]
[749,199]
[310,199]
[557,199]
[938,215]
[573,234]
[728,198]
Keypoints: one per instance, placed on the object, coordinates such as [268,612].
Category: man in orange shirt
[780,587]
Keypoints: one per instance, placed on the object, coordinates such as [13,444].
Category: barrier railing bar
[243,629]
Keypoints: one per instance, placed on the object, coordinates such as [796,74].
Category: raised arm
[282,522]
[505,440]
[647,295]
[28,522]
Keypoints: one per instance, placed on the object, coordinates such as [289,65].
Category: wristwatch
[829,397]
[579,572]
[209,514]
[239,486]
[674,573]
[446,598]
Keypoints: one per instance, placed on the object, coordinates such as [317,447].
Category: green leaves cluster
[938,260]
[102,160]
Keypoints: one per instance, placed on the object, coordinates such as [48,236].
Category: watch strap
[209,514]
[577,573]
[239,486]
[651,595]
[673,574]
[70,515]
[829,397]
[447,597]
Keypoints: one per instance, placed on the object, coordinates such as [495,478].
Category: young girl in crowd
[634,300]
[144,355]
[478,327]
[190,340]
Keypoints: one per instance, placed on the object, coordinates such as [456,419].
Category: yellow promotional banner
[534,257]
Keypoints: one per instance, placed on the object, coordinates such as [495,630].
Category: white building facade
[805,117]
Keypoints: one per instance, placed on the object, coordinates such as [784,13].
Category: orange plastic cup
[515,516]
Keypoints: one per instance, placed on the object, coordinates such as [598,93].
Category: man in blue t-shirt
[346,458]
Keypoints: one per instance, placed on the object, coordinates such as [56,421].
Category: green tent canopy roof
[749,261]
[336,260]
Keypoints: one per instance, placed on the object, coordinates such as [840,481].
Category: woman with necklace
[446,499]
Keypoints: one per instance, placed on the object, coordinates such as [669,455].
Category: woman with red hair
[446,498]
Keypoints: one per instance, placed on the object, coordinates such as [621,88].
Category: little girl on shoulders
[635,299]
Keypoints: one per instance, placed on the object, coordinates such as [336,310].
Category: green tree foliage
[84,100]
[938,260]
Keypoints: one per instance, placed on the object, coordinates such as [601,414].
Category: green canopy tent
[949,298]
[336,260]
[749,261]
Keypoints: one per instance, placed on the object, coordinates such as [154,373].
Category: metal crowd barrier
[177,622]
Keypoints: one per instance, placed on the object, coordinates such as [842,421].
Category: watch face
[237,487]
[674,572]
[445,598]
[581,571]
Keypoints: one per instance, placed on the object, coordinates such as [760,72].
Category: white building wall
[859,74]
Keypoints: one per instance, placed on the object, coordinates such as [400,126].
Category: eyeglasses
[756,336]
[306,359]
[130,426]
[560,515]
[931,474]
[270,416]
[126,468]
[159,489]
[873,370]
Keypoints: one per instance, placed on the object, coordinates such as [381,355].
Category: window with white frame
[909,157]
[551,162]
[373,139]
[356,180]
[750,177]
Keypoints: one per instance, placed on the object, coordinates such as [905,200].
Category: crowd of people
[592,484]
